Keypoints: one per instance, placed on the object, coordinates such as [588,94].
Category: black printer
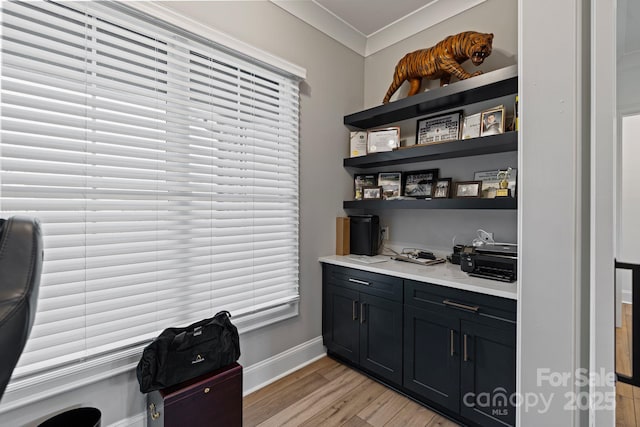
[497,262]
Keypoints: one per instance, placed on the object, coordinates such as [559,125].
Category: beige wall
[493,16]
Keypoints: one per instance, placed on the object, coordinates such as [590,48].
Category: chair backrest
[20,269]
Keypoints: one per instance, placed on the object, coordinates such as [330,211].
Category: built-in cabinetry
[488,86]
[362,319]
[460,351]
[452,349]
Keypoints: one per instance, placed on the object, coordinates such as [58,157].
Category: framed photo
[490,182]
[380,140]
[442,188]
[471,126]
[419,184]
[492,122]
[434,130]
[372,193]
[362,180]
[357,144]
[390,183]
[468,188]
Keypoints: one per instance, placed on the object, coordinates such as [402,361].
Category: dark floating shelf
[448,150]
[487,86]
[490,85]
[498,203]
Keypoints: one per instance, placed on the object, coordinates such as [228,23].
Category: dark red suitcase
[210,400]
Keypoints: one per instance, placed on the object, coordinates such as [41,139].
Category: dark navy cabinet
[432,356]
[362,320]
[451,349]
[460,351]
[381,336]
[342,328]
[489,371]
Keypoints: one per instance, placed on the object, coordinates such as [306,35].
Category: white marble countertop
[446,274]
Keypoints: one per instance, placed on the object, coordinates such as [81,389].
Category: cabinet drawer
[467,304]
[364,281]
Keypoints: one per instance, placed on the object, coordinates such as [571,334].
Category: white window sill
[35,388]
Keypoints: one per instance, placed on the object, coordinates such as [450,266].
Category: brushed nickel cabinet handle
[450,303]
[362,311]
[354,312]
[451,341]
[360,282]
[466,356]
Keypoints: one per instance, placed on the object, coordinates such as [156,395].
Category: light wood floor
[627,396]
[327,393]
[623,342]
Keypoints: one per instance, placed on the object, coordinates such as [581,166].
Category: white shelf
[446,274]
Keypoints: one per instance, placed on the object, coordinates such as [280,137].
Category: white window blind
[164,171]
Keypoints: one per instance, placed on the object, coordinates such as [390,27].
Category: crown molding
[160,11]
[323,20]
[426,17]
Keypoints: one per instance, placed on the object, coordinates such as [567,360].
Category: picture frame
[384,139]
[490,182]
[471,126]
[357,144]
[492,122]
[438,129]
[442,188]
[361,180]
[391,183]
[419,184]
[468,189]
[372,193]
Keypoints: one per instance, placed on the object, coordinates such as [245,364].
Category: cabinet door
[342,322]
[432,356]
[381,337]
[488,373]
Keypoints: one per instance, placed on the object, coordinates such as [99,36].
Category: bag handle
[179,338]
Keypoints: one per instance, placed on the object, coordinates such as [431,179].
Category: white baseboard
[272,369]
[260,374]
[139,420]
[627,296]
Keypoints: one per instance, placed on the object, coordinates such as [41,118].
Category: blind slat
[164,172]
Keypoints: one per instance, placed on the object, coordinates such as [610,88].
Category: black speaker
[364,234]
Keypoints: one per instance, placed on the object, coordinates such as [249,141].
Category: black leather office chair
[20,269]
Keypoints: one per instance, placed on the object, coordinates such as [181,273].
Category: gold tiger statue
[441,61]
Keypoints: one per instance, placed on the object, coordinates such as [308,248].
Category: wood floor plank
[412,415]
[440,421]
[356,422]
[328,393]
[319,400]
[284,395]
[627,396]
[636,409]
[334,371]
[385,407]
[625,412]
[622,343]
[284,383]
[347,407]
[625,390]
[628,310]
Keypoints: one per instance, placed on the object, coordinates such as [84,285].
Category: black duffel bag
[180,354]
